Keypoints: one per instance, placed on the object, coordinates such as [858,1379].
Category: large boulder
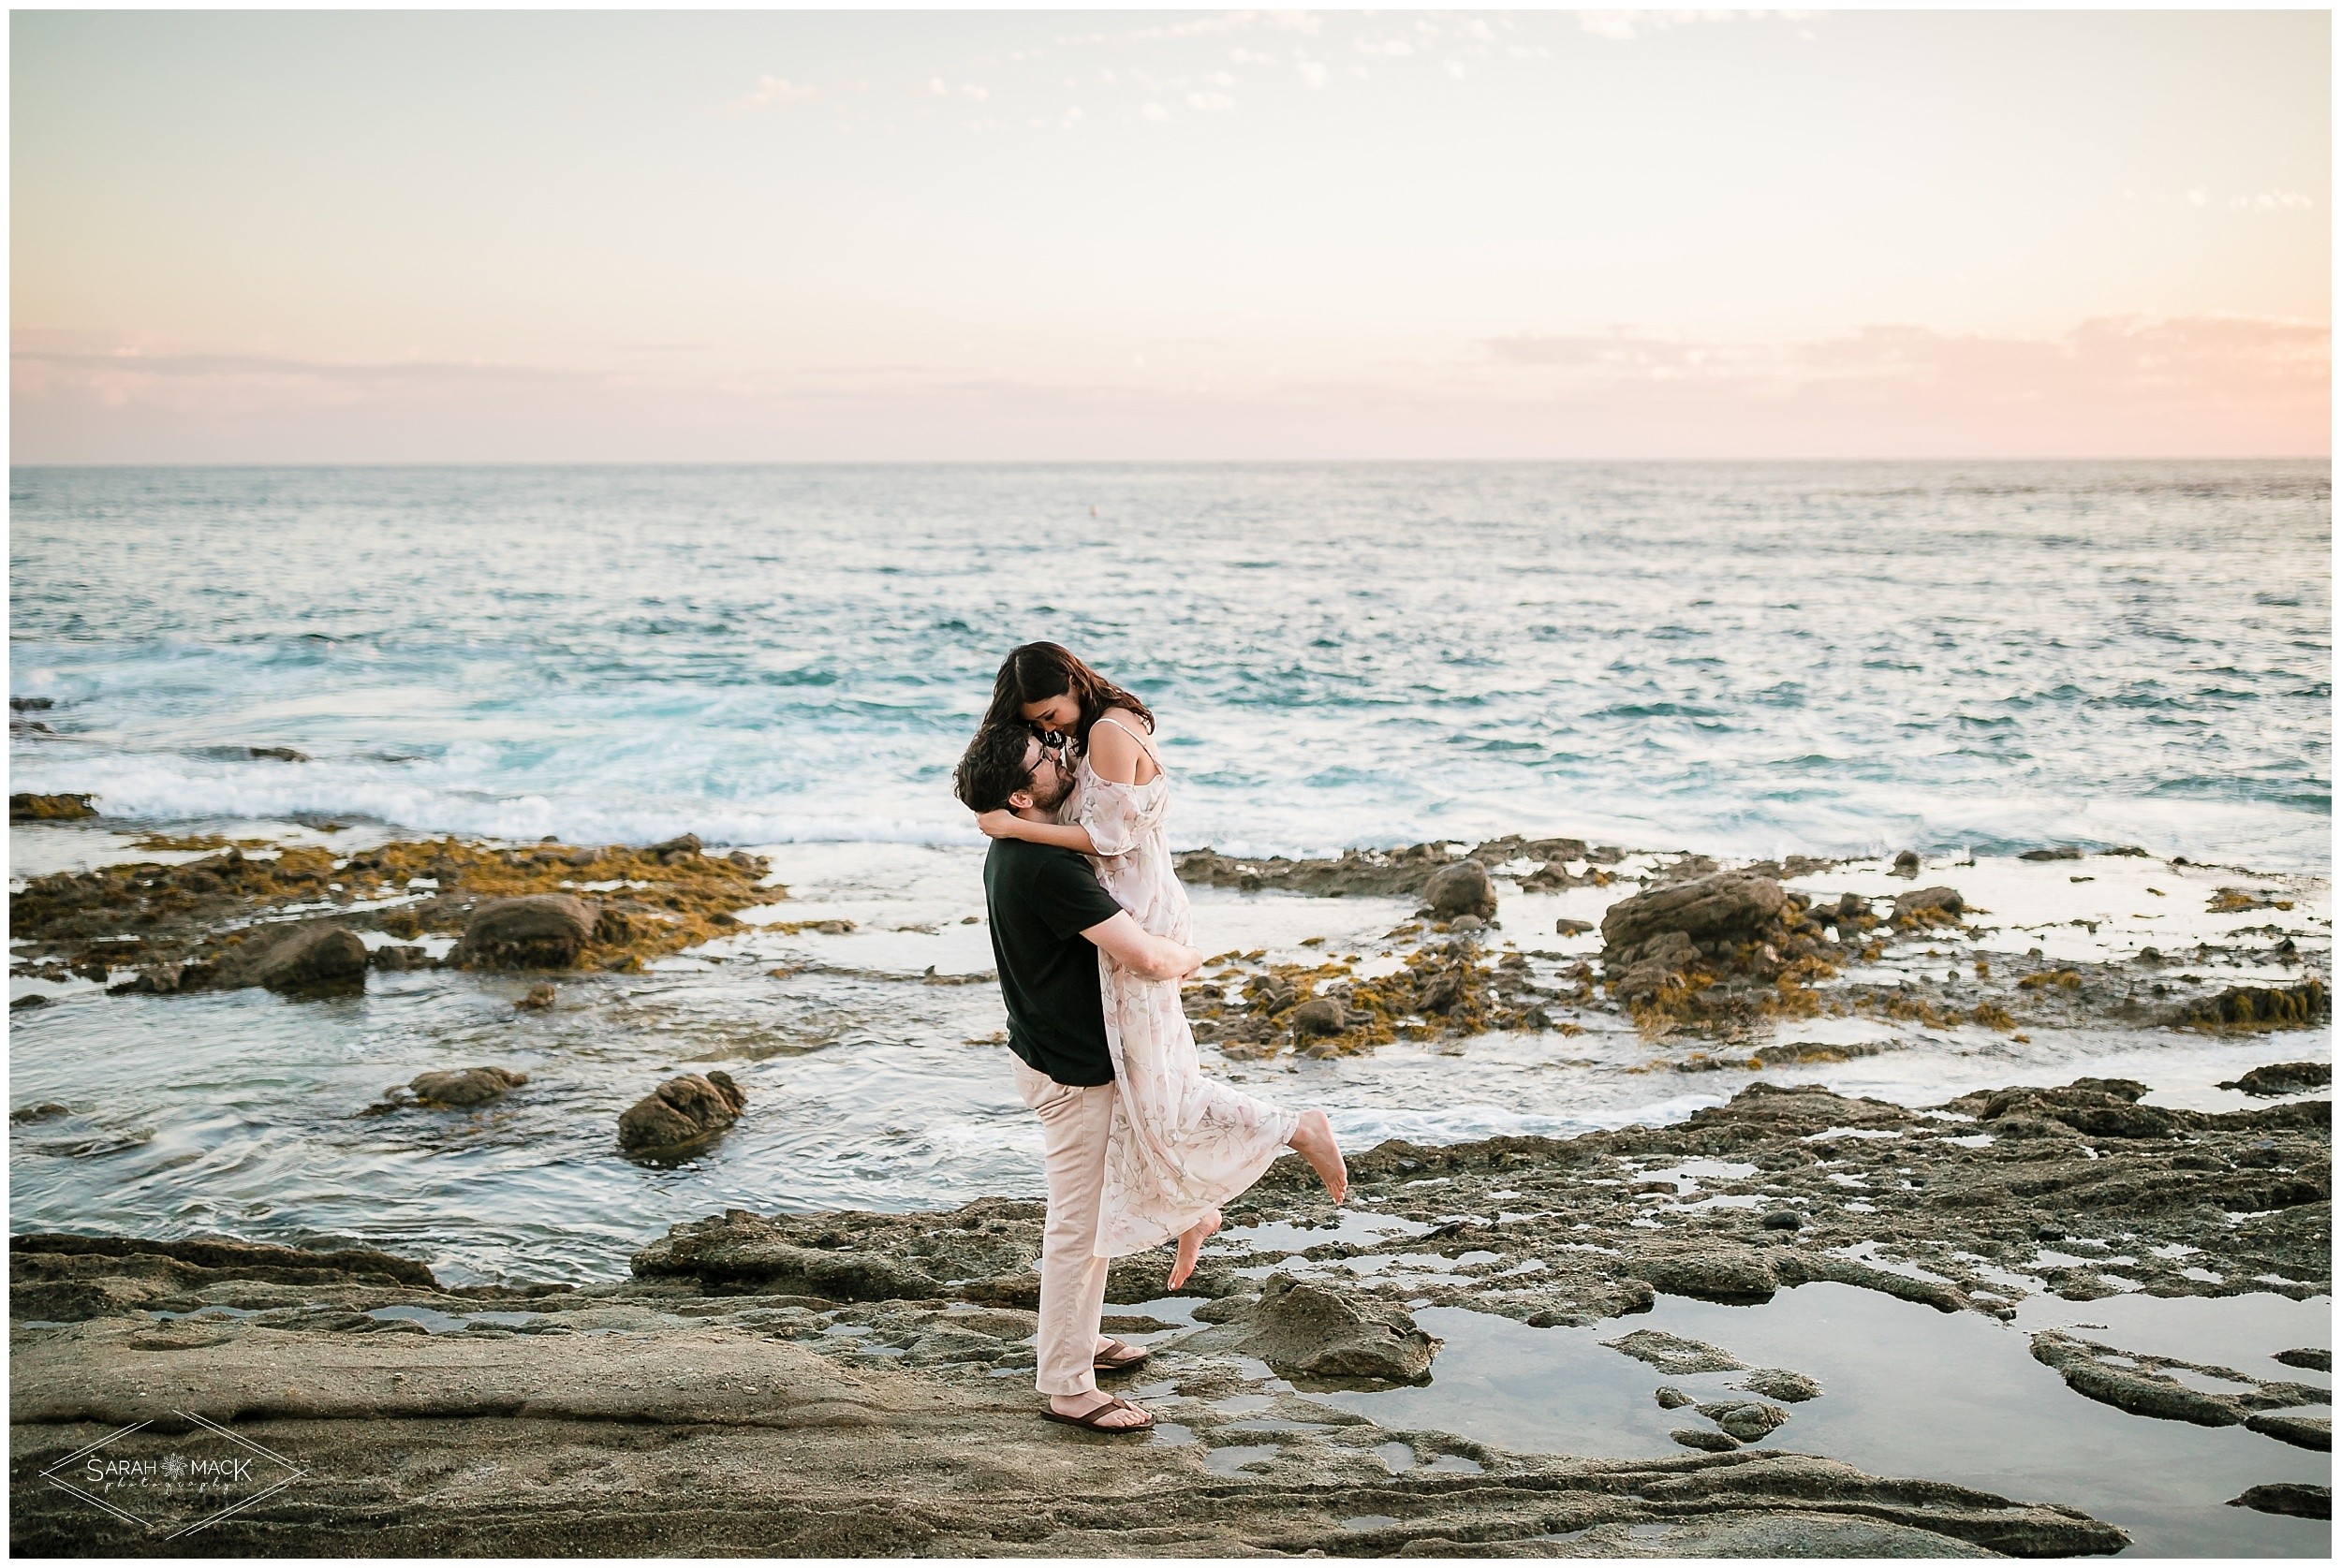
[1461,889]
[1728,906]
[314,959]
[1307,1330]
[1928,906]
[542,931]
[681,1117]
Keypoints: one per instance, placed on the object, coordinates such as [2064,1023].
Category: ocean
[1830,659]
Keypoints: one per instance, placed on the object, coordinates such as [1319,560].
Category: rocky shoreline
[857,1384]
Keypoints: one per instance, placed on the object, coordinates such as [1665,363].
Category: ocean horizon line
[495,464]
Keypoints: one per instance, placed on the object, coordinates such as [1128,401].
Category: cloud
[1155,113]
[2273,199]
[2114,383]
[1225,22]
[1391,47]
[1311,72]
[1456,69]
[1210,103]
[2113,386]
[771,91]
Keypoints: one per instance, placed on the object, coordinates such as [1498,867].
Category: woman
[1181,1144]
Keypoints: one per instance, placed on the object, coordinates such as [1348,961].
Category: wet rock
[1319,1015]
[182,1264]
[2312,1360]
[2258,1007]
[2301,1431]
[2100,1107]
[49,808]
[2063,851]
[1731,904]
[1928,905]
[41,1112]
[1307,1331]
[394,959]
[1906,864]
[467,1086]
[275,754]
[2284,1078]
[1704,1438]
[2142,1385]
[1461,889]
[1357,873]
[1750,1420]
[31,704]
[1675,1356]
[666,854]
[2298,1499]
[1783,1219]
[540,996]
[316,959]
[1567,927]
[1672,1397]
[541,931]
[1466,925]
[738,1249]
[682,1116]
[29,999]
[1712,1271]
[1441,993]
[1774,1382]
[155,980]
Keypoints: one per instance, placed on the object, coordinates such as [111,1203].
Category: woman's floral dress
[1181,1144]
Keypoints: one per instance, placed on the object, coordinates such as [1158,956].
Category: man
[1050,919]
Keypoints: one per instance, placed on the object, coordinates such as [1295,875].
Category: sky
[514,237]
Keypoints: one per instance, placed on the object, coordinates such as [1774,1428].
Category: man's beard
[1050,802]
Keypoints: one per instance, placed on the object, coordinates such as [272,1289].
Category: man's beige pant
[1074,1121]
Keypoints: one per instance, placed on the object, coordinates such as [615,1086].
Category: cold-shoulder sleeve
[1115,816]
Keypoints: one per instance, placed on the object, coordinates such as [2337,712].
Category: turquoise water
[1735,658]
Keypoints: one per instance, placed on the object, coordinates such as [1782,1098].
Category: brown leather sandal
[1117,1357]
[1088,1420]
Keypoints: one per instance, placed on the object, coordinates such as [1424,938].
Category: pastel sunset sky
[517,237]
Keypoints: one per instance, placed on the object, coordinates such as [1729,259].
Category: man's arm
[1136,949]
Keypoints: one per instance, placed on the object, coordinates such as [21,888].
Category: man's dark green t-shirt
[1042,899]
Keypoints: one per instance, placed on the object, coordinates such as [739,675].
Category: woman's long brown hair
[1038,671]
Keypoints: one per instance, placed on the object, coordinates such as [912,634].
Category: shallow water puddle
[1240,1460]
[1910,1392]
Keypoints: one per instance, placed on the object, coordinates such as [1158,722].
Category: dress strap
[1145,743]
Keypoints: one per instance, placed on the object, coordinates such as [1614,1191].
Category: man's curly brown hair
[993,768]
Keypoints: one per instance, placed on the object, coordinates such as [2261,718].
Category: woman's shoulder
[1119,741]
[1123,719]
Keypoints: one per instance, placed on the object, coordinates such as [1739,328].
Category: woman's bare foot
[1314,1138]
[1081,1406]
[1191,1245]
